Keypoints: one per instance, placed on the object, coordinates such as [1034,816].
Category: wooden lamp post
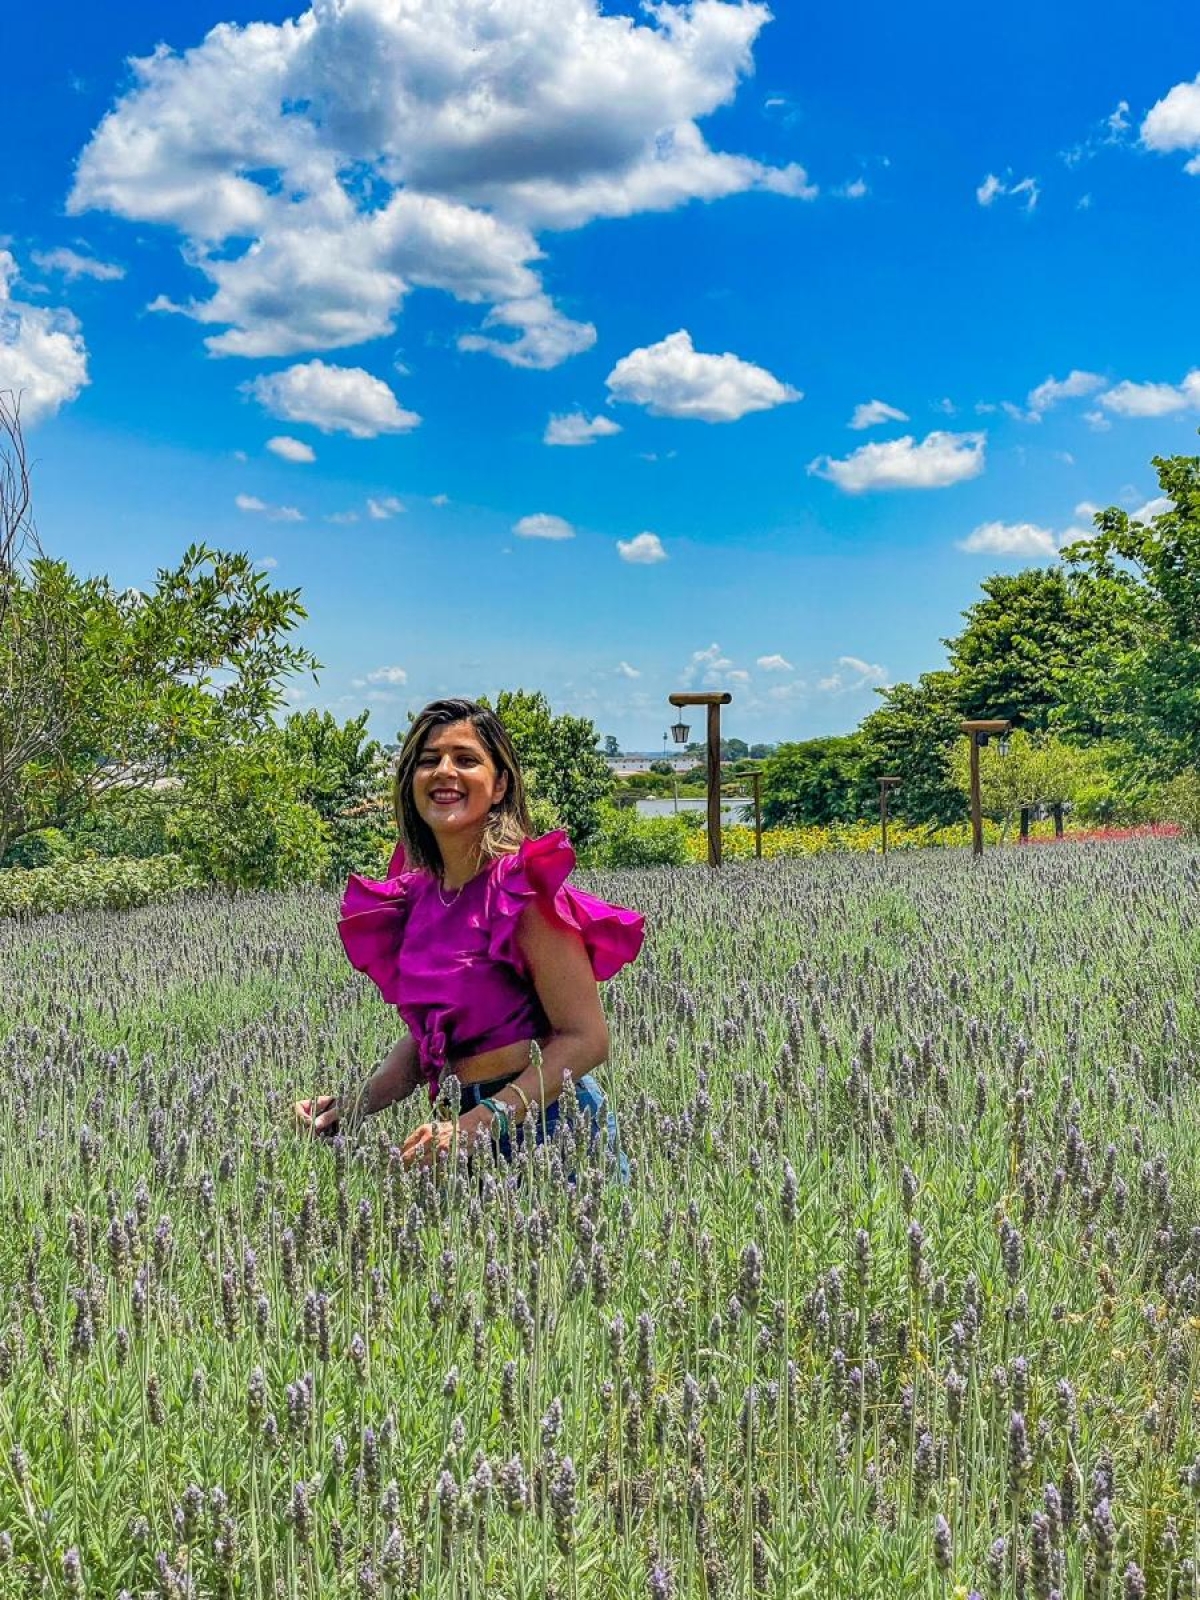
[886,785]
[714,701]
[979,730]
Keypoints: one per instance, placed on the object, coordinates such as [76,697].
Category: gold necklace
[441,896]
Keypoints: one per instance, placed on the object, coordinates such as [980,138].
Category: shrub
[39,849]
[93,884]
[627,840]
[1181,801]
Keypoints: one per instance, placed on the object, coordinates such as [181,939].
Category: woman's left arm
[562,975]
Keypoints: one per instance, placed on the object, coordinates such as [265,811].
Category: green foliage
[342,767]
[93,885]
[129,686]
[1142,682]
[627,840]
[815,782]
[911,736]
[572,776]
[129,823]
[241,822]
[1022,642]
[40,849]
[1181,801]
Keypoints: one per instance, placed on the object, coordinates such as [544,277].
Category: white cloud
[291,449]
[1051,390]
[992,187]
[853,674]
[575,428]
[709,666]
[774,664]
[393,675]
[626,671]
[385,507]
[72,265]
[382,697]
[1173,123]
[854,190]
[542,525]
[1097,421]
[334,399]
[1153,399]
[43,359]
[938,461]
[440,500]
[342,516]
[644,551]
[673,379]
[1153,508]
[1010,539]
[266,564]
[1087,509]
[872,412]
[545,337]
[251,502]
[369,147]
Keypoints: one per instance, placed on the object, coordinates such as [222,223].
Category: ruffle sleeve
[373,914]
[612,935]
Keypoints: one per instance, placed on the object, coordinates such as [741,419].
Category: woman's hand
[425,1144]
[320,1116]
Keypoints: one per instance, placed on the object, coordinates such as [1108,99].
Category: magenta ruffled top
[456,973]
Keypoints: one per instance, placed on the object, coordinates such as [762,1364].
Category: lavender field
[902,1299]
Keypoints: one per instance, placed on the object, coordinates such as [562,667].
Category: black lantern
[679,732]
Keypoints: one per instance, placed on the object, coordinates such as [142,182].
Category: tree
[559,753]
[1141,683]
[1022,643]
[341,765]
[241,820]
[912,736]
[102,689]
[734,749]
[815,782]
[611,746]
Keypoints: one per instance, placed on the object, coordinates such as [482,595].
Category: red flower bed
[1145,830]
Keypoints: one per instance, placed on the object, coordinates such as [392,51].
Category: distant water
[731,810]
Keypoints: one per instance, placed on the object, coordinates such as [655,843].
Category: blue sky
[328,285]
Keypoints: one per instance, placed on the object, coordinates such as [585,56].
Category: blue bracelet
[501,1116]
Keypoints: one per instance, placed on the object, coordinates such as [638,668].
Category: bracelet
[516,1089]
[500,1116]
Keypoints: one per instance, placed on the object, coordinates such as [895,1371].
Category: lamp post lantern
[714,701]
[979,730]
[886,785]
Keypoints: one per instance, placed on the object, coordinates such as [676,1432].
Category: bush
[39,849]
[1181,801]
[93,885]
[627,840]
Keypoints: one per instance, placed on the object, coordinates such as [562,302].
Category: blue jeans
[593,1109]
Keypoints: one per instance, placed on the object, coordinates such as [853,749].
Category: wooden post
[886,785]
[1058,819]
[1024,822]
[987,727]
[714,786]
[714,701]
[756,780]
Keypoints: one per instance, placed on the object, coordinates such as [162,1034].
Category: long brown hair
[508,824]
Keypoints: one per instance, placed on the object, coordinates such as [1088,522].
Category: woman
[480,944]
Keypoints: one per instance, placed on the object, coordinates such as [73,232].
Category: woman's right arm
[395,1078]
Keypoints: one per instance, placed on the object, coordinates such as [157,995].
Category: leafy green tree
[912,736]
[815,782]
[560,753]
[1141,683]
[611,747]
[342,766]
[1022,643]
[104,689]
[241,821]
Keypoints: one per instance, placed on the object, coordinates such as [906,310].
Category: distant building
[624,766]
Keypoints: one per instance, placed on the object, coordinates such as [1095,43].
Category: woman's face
[456,782]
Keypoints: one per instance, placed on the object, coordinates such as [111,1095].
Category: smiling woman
[482,946]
